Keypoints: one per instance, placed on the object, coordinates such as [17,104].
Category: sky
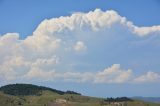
[92,47]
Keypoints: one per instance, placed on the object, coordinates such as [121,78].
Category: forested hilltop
[29,89]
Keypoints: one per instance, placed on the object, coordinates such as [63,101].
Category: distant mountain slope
[149,99]
[29,89]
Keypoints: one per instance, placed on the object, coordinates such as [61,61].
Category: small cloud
[148,77]
[113,74]
[80,46]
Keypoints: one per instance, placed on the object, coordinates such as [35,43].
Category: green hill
[33,95]
[29,89]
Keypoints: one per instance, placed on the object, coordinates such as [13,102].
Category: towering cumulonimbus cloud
[73,48]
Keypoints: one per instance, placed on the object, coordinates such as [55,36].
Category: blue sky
[89,47]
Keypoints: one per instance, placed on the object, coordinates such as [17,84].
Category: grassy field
[49,98]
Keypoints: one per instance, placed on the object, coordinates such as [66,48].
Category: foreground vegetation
[32,95]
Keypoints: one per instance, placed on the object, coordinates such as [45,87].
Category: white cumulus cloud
[113,74]
[105,36]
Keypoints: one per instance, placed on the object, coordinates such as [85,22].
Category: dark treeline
[72,92]
[29,89]
[118,99]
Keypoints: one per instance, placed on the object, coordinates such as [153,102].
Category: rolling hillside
[32,95]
